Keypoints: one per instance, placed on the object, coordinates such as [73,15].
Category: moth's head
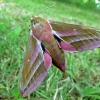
[39,23]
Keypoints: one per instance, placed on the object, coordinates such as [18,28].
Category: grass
[82,78]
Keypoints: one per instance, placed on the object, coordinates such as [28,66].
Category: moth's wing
[33,70]
[81,37]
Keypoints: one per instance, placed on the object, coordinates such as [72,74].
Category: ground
[82,78]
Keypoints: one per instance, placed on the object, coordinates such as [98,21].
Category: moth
[46,45]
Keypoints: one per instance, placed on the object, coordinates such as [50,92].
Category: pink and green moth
[47,42]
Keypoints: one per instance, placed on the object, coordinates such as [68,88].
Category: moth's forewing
[82,38]
[33,70]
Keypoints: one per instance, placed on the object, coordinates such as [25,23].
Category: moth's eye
[35,22]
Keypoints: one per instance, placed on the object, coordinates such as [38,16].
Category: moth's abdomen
[58,57]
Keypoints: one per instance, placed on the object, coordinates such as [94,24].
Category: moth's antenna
[46,8]
[30,18]
[19,23]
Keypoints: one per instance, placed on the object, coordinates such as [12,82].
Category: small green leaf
[91,90]
[78,88]
[2,86]
[70,73]
[15,33]
[17,95]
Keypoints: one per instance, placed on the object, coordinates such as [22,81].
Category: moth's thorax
[41,28]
